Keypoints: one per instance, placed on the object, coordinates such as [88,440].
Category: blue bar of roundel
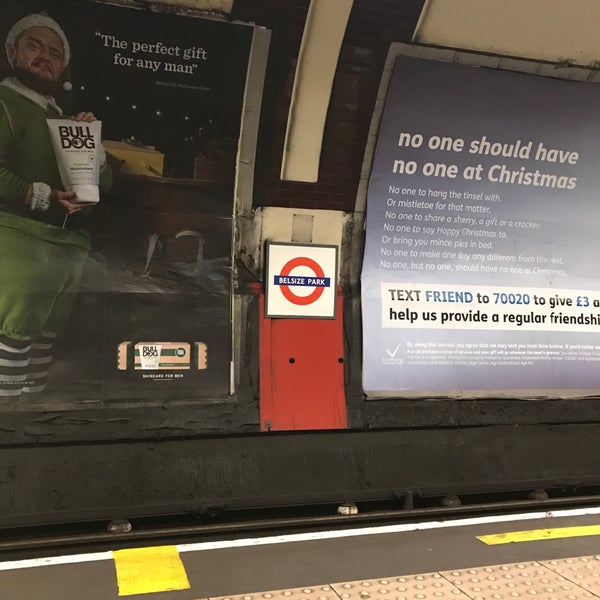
[303,281]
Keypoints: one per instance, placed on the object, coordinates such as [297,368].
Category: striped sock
[39,363]
[14,366]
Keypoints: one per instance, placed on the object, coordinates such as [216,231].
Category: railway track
[220,524]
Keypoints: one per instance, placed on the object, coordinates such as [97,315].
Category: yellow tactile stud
[146,570]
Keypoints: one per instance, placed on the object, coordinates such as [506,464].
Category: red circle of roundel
[302,261]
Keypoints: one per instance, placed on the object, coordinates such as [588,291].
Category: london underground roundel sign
[301,280]
[318,281]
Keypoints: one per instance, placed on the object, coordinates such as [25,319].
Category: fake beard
[37,83]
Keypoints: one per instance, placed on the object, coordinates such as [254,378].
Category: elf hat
[37,20]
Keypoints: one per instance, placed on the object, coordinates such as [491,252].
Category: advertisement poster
[481,274]
[125,299]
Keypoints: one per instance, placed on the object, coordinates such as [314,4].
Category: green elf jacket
[42,262]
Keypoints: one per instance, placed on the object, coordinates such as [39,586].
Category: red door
[302,372]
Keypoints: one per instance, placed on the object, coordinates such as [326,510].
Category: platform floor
[534,555]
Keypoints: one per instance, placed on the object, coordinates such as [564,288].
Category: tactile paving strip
[518,580]
[317,592]
[582,570]
[425,586]
[565,579]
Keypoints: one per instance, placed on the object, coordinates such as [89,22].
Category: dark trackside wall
[62,483]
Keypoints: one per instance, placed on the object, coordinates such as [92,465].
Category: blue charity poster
[481,274]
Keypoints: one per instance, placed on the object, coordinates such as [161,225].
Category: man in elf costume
[42,255]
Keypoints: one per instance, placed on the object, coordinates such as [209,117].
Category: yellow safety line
[539,534]
[146,570]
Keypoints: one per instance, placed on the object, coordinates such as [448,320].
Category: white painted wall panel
[321,42]
[552,30]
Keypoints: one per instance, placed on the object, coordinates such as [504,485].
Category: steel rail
[32,540]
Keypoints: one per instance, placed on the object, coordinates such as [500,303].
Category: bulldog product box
[161,355]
